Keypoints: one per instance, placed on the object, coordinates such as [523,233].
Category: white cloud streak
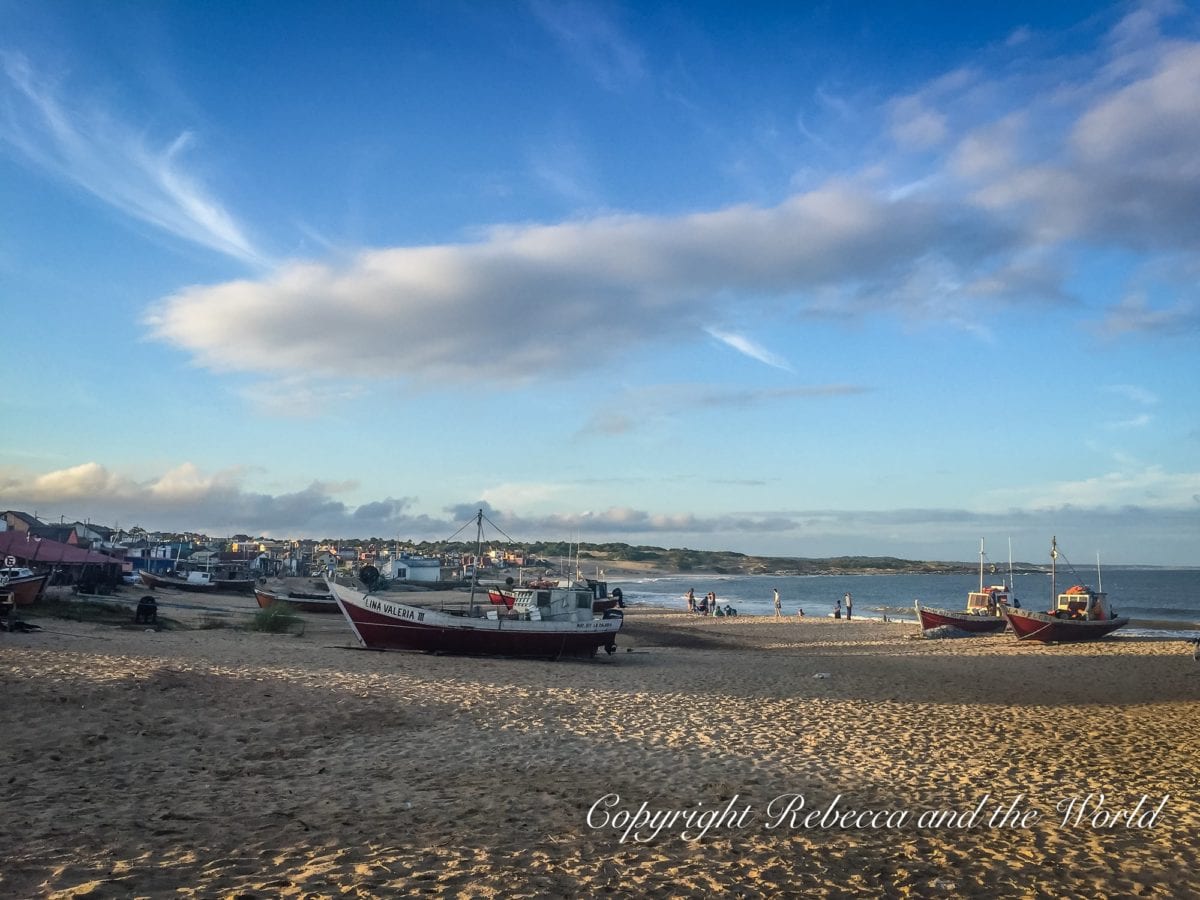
[750,348]
[86,145]
[593,39]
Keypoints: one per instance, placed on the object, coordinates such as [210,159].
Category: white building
[411,568]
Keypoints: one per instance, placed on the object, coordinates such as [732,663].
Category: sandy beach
[826,758]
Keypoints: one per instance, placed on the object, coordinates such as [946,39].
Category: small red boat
[984,613]
[303,601]
[1079,614]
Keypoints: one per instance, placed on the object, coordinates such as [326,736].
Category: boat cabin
[988,600]
[1080,602]
[553,603]
[198,578]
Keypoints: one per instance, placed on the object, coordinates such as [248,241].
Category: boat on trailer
[985,608]
[1077,614]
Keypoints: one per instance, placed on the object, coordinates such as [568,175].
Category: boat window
[543,598]
[583,601]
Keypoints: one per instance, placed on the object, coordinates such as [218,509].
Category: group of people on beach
[708,606]
[837,609]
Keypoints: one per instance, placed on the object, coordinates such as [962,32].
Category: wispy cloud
[594,39]
[1135,393]
[659,403]
[1132,485]
[83,143]
[1137,315]
[747,347]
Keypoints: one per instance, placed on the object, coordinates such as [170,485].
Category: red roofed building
[44,555]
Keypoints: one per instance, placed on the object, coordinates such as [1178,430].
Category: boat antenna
[1010,572]
[1099,580]
[981,565]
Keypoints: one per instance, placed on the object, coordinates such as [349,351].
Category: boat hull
[305,604]
[180,584]
[385,624]
[1047,629]
[234,585]
[25,590]
[963,621]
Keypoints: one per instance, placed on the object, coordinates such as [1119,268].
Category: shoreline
[226,604]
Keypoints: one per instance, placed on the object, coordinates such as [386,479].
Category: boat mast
[1099,580]
[981,565]
[1053,560]
[478,551]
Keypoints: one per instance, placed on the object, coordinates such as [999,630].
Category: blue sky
[793,280]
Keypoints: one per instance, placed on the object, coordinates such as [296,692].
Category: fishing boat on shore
[23,584]
[193,582]
[985,607]
[302,600]
[198,582]
[1077,614]
[545,622]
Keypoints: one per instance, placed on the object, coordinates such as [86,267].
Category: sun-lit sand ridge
[221,762]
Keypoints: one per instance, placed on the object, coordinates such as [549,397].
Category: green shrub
[277,618]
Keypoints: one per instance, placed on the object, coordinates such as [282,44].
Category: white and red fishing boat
[22,583]
[985,608]
[543,622]
[547,621]
[1077,614]
[305,601]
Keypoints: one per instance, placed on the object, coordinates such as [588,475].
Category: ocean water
[1159,599]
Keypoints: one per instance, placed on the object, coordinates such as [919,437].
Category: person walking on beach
[778,605]
[691,599]
[849,605]
[837,609]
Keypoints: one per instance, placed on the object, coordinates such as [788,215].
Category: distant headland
[624,559]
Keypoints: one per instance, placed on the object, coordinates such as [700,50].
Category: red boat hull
[963,621]
[1036,626]
[25,590]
